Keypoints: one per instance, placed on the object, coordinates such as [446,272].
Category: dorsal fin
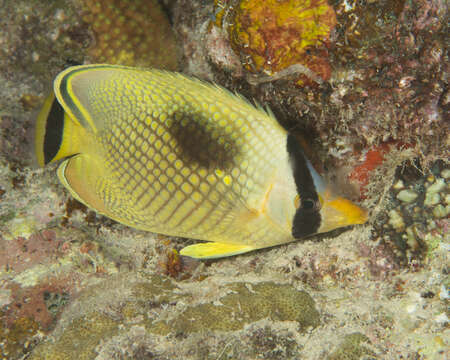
[75,88]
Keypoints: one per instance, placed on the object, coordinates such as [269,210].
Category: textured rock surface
[76,285]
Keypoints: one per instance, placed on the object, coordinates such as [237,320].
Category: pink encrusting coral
[22,253]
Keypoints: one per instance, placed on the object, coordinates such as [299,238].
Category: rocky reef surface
[367,88]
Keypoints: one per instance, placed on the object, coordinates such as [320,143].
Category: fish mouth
[341,212]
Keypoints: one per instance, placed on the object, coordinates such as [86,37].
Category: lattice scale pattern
[189,159]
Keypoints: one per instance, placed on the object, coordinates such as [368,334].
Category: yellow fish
[163,152]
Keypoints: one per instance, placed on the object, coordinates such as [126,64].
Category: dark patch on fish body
[202,142]
[307,217]
[54,129]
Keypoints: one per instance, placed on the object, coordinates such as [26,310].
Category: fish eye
[310,205]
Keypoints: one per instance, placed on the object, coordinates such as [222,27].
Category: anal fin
[214,250]
[79,174]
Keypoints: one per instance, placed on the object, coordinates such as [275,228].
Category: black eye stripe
[307,217]
[302,176]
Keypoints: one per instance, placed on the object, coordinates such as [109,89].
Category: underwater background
[365,82]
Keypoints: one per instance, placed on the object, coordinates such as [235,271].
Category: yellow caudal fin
[214,250]
[56,135]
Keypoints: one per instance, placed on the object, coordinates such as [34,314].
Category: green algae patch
[352,348]
[160,288]
[7,217]
[246,304]
[79,340]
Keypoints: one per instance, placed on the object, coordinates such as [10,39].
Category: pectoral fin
[214,250]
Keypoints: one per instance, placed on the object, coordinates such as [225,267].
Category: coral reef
[139,306]
[134,33]
[74,285]
[41,37]
[390,78]
[415,221]
[251,303]
[388,81]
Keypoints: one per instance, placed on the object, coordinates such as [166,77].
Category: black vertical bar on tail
[54,128]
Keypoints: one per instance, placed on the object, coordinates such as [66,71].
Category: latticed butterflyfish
[170,154]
